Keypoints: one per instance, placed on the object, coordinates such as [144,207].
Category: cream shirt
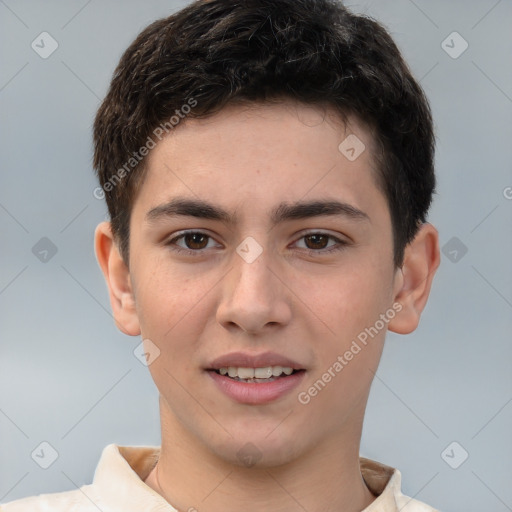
[119,487]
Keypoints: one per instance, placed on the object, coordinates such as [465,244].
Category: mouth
[255,379]
[259,375]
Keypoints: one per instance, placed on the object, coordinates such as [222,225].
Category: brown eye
[320,244]
[196,240]
[193,243]
[317,241]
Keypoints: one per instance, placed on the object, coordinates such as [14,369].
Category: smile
[237,383]
[265,374]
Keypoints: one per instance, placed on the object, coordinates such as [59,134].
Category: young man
[268,168]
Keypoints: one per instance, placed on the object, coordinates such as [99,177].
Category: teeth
[263,373]
[258,373]
[277,370]
[245,373]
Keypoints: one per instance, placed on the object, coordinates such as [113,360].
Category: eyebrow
[283,212]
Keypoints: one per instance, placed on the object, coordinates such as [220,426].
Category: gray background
[69,378]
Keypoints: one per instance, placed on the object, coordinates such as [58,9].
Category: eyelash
[341,244]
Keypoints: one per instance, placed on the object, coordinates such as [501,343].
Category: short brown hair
[216,52]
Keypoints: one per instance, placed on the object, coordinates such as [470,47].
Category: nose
[254,297]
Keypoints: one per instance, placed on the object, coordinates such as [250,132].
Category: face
[232,252]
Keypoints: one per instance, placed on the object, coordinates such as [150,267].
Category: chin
[255,451]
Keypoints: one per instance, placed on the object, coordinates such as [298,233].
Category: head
[214,53]
[229,119]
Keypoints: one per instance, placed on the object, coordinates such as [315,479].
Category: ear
[118,280]
[414,279]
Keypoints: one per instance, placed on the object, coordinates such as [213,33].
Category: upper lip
[245,360]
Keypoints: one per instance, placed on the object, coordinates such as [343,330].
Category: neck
[326,478]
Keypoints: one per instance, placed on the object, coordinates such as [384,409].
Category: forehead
[254,156]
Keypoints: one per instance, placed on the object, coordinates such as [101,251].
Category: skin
[307,305]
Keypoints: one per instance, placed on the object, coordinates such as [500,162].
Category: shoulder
[385,482]
[79,500]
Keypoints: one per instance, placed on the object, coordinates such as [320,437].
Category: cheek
[171,305]
[173,310]
[350,303]
[344,301]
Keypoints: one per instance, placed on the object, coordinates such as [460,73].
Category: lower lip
[253,393]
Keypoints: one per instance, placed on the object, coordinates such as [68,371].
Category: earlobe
[414,280]
[117,276]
